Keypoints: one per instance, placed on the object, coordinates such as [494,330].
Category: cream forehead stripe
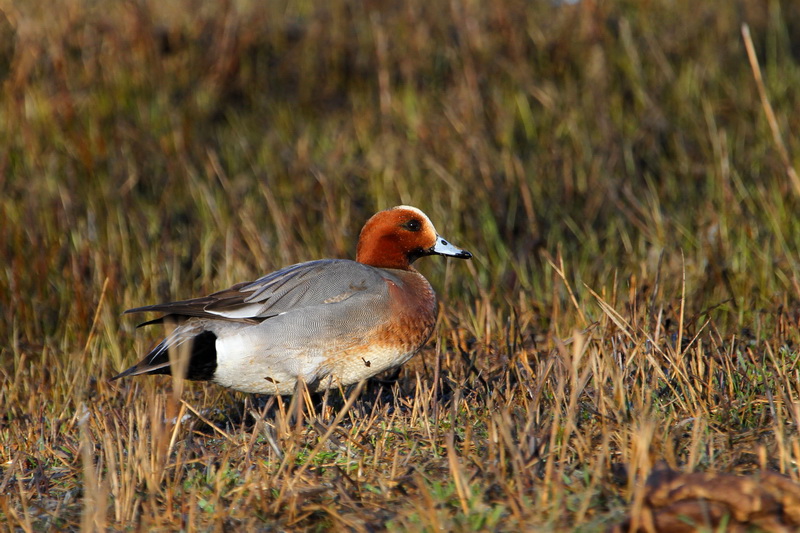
[417,212]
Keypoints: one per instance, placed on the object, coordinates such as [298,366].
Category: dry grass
[633,299]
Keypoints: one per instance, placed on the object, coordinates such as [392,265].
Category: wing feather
[294,287]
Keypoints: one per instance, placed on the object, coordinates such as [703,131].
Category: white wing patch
[248,311]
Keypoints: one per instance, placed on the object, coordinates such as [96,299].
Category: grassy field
[626,183]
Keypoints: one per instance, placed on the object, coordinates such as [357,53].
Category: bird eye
[412,225]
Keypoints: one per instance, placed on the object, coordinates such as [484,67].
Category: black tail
[202,360]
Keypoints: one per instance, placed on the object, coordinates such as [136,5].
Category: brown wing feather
[197,307]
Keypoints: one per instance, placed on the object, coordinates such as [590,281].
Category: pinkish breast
[413,311]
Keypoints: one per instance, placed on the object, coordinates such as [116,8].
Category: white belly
[248,364]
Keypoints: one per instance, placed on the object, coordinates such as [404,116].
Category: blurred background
[171,148]
[616,167]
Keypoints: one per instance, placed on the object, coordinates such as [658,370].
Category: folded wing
[288,289]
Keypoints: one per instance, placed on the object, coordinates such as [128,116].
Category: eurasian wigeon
[331,323]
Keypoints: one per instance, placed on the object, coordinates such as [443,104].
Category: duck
[329,323]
